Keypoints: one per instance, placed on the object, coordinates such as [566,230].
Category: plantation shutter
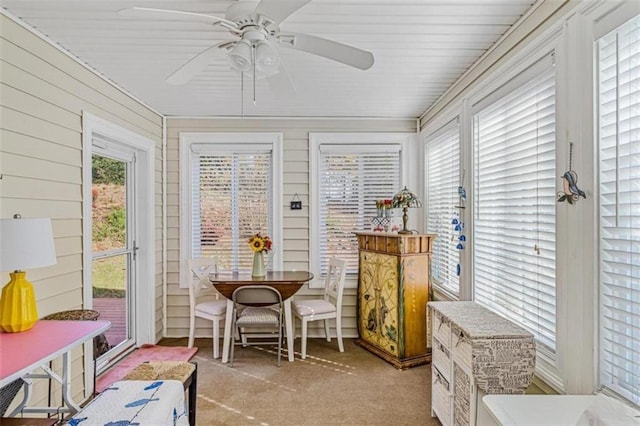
[619,226]
[352,178]
[443,177]
[514,203]
[231,201]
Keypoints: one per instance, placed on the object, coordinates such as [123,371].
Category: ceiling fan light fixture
[240,56]
[267,58]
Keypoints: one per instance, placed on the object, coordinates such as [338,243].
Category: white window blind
[352,178]
[514,202]
[619,226]
[231,201]
[443,179]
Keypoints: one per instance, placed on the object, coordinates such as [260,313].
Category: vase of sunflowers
[260,245]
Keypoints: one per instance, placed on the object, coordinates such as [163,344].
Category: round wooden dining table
[286,282]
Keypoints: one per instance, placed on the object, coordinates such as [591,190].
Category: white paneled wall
[296,180]
[43,93]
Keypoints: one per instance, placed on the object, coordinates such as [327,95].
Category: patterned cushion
[212,307]
[162,370]
[312,307]
[257,315]
[130,402]
[74,315]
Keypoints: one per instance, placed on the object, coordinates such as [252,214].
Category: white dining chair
[330,306]
[204,302]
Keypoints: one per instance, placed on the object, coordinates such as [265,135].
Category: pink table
[21,353]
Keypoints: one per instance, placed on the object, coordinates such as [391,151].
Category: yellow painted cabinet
[393,290]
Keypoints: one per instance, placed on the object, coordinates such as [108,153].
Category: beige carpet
[327,388]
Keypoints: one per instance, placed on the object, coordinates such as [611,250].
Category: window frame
[316,140]
[528,76]
[571,32]
[606,24]
[550,369]
[242,142]
[441,127]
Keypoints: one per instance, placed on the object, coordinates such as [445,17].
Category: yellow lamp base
[18,310]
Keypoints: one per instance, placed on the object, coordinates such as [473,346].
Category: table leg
[228,336]
[27,391]
[66,382]
[289,328]
[68,404]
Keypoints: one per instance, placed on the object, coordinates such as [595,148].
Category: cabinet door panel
[414,286]
[462,386]
[378,301]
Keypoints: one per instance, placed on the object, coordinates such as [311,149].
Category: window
[442,159]
[349,173]
[514,202]
[619,209]
[230,190]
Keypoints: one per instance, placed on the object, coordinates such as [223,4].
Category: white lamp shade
[267,59]
[240,56]
[26,244]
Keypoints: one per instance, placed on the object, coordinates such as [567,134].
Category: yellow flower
[258,243]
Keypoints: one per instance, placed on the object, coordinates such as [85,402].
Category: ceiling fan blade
[278,10]
[195,65]
[148,12]
[335,51]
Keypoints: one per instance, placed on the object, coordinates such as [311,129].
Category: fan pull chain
[570,156]
[242,94]
[253,53]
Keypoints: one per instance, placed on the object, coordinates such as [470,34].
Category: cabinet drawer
[461,350]
[441,359]
[441,397]
[442,331]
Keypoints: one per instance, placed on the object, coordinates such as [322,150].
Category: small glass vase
[258,265]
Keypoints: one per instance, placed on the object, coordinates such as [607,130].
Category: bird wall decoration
[571,193]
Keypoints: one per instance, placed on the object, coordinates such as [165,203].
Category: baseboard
[540,387]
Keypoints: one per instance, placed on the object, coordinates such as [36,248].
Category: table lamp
[405,199]
[24,244]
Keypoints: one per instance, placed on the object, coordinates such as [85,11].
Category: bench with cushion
[144,402]
[185,372]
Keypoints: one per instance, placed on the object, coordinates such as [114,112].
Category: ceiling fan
[257,28]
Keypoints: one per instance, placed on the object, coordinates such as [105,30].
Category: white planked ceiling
[420,47]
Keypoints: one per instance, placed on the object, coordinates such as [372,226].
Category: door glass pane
[109,204]
[110,277]
[111,246]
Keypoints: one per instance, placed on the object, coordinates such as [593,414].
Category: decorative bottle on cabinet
[393,289]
